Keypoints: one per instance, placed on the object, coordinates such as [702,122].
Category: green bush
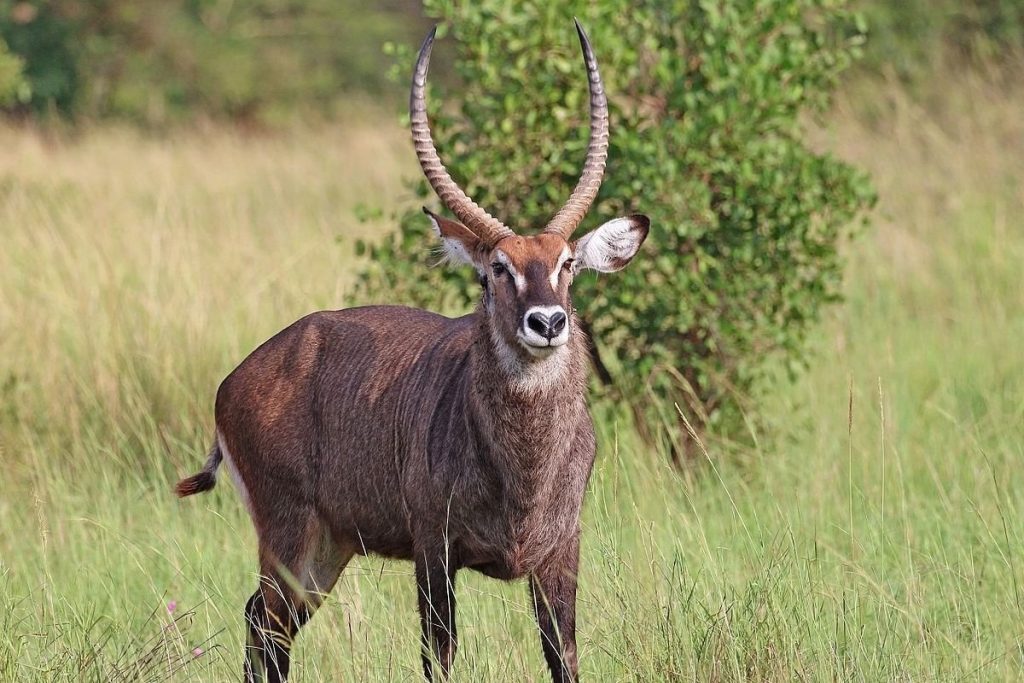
[42,39]
[707,99]
[12,83]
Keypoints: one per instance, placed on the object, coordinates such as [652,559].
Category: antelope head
[527,278]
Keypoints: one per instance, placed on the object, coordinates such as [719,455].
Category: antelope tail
[206,478]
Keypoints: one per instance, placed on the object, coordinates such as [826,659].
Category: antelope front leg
[435,580]
[553,588]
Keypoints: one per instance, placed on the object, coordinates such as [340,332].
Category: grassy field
[873,532]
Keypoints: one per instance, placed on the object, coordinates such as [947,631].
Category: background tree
[157,61]
[707,101]
[162,61]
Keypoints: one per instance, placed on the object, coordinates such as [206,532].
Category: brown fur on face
[525,282]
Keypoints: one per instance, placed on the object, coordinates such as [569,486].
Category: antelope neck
[526,413]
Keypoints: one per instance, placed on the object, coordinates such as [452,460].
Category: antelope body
[455,443]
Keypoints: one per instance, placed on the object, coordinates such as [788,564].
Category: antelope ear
[613,245]
[459,243]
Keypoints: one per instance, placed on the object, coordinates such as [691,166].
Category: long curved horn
[484,225]
[569,216]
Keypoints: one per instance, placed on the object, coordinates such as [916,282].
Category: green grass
[873,531]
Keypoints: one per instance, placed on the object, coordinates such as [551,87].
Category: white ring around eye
[566,255]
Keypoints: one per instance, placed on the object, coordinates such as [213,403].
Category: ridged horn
[484,225]
[569,216]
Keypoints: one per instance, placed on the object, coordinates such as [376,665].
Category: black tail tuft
[205,479]
[197,483]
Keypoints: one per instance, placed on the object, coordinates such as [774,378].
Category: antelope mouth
[541,348]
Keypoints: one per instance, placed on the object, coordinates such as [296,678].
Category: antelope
[460,443]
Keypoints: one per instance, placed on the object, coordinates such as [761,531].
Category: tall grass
[872,532]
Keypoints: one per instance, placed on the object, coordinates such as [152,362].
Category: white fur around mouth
[541,351]
[545,367]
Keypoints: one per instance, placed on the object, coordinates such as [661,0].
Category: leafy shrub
[41,37]
[12,82]
[706,98]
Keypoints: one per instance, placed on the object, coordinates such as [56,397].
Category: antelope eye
[498,268]
[567,264]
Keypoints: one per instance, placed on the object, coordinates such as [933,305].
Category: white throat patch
[531,377]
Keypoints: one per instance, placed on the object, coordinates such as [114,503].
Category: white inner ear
[453,250]
[608,248]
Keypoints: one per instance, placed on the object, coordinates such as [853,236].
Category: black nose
[547,327]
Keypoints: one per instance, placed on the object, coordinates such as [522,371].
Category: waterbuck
[454,443]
